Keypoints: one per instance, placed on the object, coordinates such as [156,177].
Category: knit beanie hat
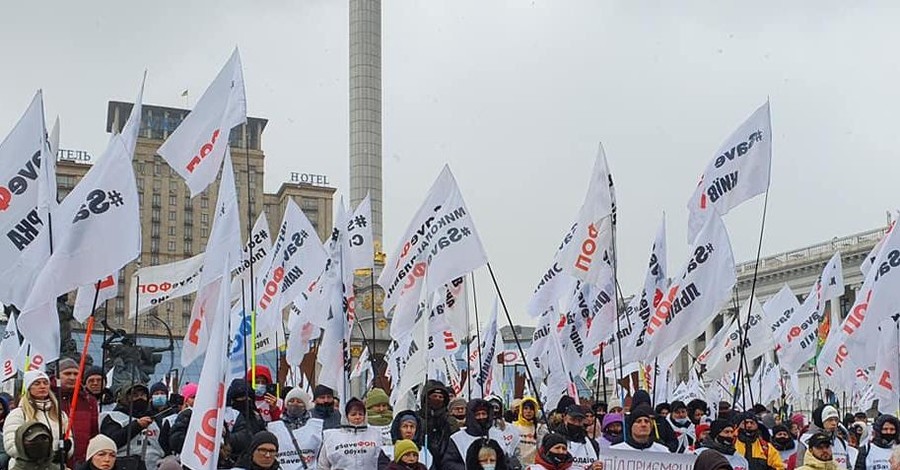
[263,437]
[716,427]
[403,447]
[159,387]
[830,412]
[321,390]
[34,375]
[458,401]
[98,443]
[189,390]
[67,363]
[92,371]
[376,396]
[551,440]
[298,392]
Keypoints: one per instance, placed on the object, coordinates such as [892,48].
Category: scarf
[297,422]
[380,419]
[42,405]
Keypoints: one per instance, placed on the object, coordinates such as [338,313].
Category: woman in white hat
[38,404]
[101,454]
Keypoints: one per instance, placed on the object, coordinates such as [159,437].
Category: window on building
[189,232]
[172,216]
[154,246]
[204,202]
[171,230]
[154,229]
[156,200]
[204,218]
[171,245]
[140,183]
[189,247]
[140,198]
[154,215]
[120,317]
[156,184]
[186,319]
[140,168]
[204,232]
[156,169]
[173,200]
[154,259]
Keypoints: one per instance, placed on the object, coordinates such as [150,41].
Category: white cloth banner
[643,305]
[298,259]
[105,289]
[833,278]
[554,283]
[887,367]
[696,293]
[257,251]
[9,351]
[159,284]
[485,357]
[756,337]
[738,172]
[201,446]
[779,310]
[440,240]
[20,220]
[589,255]
[799,338]
[197,146]
[361,254]
[363,366]
[615,459]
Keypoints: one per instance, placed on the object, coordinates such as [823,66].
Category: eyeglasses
[266,452]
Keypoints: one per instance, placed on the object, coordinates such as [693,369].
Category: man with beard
[433,415]
[131,427]
[721,439]
[759,454]
[479,430]
[324,407]
[681,425]
[585,451]
[819,455]
[786,446]
[639,435]
[877,453]
[825,420]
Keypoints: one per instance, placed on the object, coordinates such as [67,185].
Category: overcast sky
[514,95]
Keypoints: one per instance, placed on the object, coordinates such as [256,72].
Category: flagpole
[762,228]
[742,363]
[515,336]
[478,332]
[469,351]
[84,352]
[134,380]
[252,277]
[373,351]
[244,322]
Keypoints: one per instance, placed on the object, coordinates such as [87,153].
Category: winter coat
[810,462]
[662,431]
[85,421]
[877,453]
[844,456]
[16,419]
[245,427]
[349,448]
[461,441]
[386,457]
[331,418]
[761,455]
[21,463]
[178,431]
[308,439]
[472,454]
[119,426]
[436,422]
[400,466]
[529,433]
[737,462]
[711,460]
[654,447]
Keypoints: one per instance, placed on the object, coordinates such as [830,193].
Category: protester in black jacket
[434,417]
[324,407]
[662,432]
[248,422]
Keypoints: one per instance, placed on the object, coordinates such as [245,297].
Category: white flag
[779,310]
[757,339]
[363,365]
[486,356]
[21,220]
[9,350]
[298,258]
[833,279]
[196,149]
[798,339]
[104,289]
[441,240]
[696,293]
[159,284]
[223,254]
[554,283]
[643,305]
[739,171]
[204,434]
[589,256]
[361,254]
[885,379]
[408,363]
[258,251]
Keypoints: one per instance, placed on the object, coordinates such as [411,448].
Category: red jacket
[85,422]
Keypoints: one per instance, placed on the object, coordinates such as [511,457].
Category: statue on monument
[130,363]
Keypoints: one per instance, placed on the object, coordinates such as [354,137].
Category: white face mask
[488,466]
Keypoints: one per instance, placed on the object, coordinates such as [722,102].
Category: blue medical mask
[159,401]
[260,390]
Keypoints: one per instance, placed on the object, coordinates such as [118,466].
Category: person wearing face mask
[159,402]
[433,414]
[479,429]
[584,450]
[299,436]
[486,454]
[529,429]
[324,407]
[37,404]
[639,431]
[877,453]
[34,447]
[174,431]
[759,454]
[786,446]
[509,434]
[819,453]
[553,454]
[457,410]
[825,419]
[85,420]
[247,420]
[406,456]
[132,428]
[379,414]
[611,430]
[406,427]
[681,425]
[721,440]
[353,446]
[268,405]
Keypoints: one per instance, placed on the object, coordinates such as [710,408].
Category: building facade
[176,227]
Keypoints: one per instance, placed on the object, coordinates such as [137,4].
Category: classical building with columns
[799,269]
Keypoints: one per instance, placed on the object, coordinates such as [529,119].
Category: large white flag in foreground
[196,149]
[440,244]
[739,171]
[9,350]
[696,293]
